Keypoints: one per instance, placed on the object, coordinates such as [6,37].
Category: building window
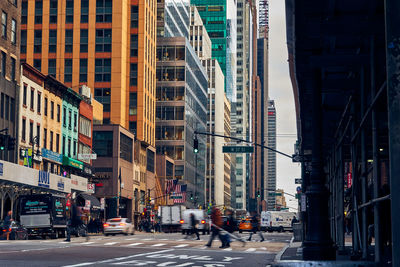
[24,12]
[63,145]
[103,95]
[132,126]
[30,132]
[134,45]
[65,117]
[23,130]
[39,102]
[24,94]
[134,16]
[103,143]
[58,143]
[4,25]
[38,12]
[38,134]
[44,137]
[53,11]
[37,63]
[133,74]
[103,10]
[74,149]
[103,40]
[3,63]
[45,106]
[53,41]
[70,119]
[51,140]
[52,67]
[84,41]
[102,70]
[133,103]
[13,66]
[69,40]
[126,146]
[32,98]
[58,113]
[37,44]
[85,126]
[13,31]
[69,11]
[84,11]
[75,122]
[83,70]
[7,108]
[52,110]
[23,42]
[69,147]
[68,70]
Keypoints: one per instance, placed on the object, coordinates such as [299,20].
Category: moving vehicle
[17,231]
[43,215]
[277,221]
[171,217]
[245,225]
[118,226]
[203,223]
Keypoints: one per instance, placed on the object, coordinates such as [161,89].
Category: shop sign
[87,156]
[60,185]
[53,156]
[1,169]
[72,162]
[90,188]
[87,205]
[44,179]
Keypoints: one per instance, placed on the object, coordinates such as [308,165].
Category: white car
[203,223]
[118,226]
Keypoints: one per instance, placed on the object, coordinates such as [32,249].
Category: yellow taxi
[245,225]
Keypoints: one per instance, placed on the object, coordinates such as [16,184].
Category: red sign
[99,185]
[271,113]
[349,180]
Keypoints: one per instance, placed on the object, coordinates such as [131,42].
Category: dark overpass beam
[317,244]
[392,8]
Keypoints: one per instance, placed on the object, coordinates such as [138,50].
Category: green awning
[72,162]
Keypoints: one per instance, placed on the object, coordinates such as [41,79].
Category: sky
[280,90]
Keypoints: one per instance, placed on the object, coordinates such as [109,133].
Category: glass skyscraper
[219,18]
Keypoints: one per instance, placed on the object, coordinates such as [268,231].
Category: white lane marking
[181,246]
[263,248]
[228,249]
[118,259]
[64,242]
[134,244]
[147,239]
[131,239]
[250,249]
[110,243]
[87,243]
[180,240]
[158,245]
[164,239]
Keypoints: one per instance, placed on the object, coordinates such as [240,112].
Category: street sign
[176,197]
[87,156]
[237,149]
[274,194]
[298,180]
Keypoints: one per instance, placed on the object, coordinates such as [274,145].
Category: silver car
[118,226]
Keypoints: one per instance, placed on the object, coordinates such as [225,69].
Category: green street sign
[237,149]
[274,194]
[176,197]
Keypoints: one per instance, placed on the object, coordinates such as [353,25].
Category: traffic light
[3,142]
[10,143]
[258,194]
[196,145]
[191,196]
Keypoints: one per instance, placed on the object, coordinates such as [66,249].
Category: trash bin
[297,232]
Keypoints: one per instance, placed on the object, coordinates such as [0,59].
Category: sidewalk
[292,255]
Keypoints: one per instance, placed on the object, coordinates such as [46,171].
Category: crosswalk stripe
[263,248]
[134,244]
[250,249]
[158,245]
[87,243]
[147,239]
[181,246]
[110,243]
[131,238]
[228,249]
[164,239]
[179,240]
[64,242]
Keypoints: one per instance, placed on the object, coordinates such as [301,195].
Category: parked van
[277,220]
[203,223]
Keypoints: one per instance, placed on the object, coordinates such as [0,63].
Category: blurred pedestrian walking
[216,220]
[255,227]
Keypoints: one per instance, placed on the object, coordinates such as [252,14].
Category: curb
[279,255]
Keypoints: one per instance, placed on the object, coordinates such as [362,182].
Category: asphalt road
[141,250]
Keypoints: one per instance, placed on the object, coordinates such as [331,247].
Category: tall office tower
[263,17]
[219,18]
[241,127]
[108,45]
[10,12]
[218,182]
[181,101]
[271,177]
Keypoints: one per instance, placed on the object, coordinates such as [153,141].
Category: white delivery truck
[203,223]
[170,217]
[277,220]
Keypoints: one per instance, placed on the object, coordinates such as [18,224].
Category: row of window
[3,66]
[4,27]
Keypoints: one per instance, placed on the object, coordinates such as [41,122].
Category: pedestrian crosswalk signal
[2,142]
[196,145]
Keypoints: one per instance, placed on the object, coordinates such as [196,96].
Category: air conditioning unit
[85,92]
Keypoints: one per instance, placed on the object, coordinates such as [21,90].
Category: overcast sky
[280,90]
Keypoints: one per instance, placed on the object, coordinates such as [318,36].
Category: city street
[142,249]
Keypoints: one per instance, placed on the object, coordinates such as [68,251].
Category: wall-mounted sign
[72,162]
[90,188]
[60,185]
[53,156]
[87,156]
[44,179]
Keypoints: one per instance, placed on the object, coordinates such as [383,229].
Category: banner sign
[44,179]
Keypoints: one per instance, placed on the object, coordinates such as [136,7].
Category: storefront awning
[72,162]
[94,202]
